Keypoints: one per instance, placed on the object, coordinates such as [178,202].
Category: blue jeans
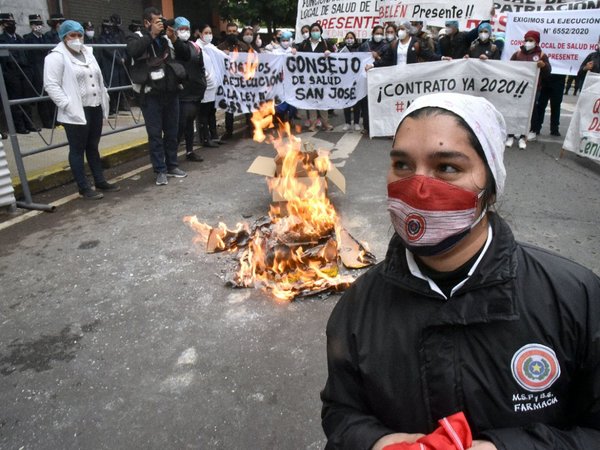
[84,139]
[161,114]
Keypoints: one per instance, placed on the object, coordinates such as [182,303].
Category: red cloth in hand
[453,433]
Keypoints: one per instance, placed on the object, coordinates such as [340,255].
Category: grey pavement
[116,331]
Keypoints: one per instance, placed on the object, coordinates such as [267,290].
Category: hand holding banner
[510,86]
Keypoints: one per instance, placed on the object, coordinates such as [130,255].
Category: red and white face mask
[431,216]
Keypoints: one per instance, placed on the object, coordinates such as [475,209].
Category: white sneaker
[531,136]
[509,142]
[346,127]
[522,144]
[357,127]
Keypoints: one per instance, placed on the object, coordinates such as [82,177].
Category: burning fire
[298,248]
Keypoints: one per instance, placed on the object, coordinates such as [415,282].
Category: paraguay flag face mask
[431,216]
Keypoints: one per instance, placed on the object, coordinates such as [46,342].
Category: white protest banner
[249,79]
[434,12]
[503,7]
[566,37]
[509,86]
[315,81]
[583,136]
[338,17]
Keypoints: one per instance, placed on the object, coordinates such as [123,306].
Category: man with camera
[157,73]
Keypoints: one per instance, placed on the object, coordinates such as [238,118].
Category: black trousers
[188,111]
[18,87]
[552,91]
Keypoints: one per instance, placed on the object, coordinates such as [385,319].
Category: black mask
[10,28]
[231,38]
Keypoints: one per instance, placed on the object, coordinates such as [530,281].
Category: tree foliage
[271,14]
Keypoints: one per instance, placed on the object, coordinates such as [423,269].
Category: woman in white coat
[74,82]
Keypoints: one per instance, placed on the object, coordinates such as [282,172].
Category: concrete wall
[97,10]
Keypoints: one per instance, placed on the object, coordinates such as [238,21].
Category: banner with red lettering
[566,37]
[338,17]
[504,7]
[510,86]
[583,136]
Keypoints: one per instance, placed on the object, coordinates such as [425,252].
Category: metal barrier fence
[6,52]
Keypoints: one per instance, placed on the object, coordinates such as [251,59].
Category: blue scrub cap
[67,26]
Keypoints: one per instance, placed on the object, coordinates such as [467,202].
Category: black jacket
[416,53]
[19,55]
[400,356]
[595,58]
[322,47]
[141,48]
[487,48]
[195,85]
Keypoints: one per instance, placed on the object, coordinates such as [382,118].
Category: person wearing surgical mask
[45,108]
[286,46]
[376,46]
[113,63]
[192,92]
[407,49]
[304,34]
[351,113]
[316,44]
[391,31]
[462,337]
[531,51]
[17,85]
[207,120]
[253,40]
[74,82]
[483,47]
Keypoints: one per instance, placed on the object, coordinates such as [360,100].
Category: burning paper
[298,249]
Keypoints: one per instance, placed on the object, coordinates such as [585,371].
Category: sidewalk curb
[60,173]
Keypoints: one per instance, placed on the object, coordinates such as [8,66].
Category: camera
[166,23]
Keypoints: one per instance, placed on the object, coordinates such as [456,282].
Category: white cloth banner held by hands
[566,37]
[509,86]
[315,81]
[249,79]
[583,136]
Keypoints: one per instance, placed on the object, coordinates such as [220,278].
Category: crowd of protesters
[175,79]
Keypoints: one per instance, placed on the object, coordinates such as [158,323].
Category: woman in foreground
[459,317]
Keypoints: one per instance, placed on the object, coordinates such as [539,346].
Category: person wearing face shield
[483,47]
[531,51]
[317,44]
[460,320]
[190,97]
[45,109]
[73,80]
[17,86]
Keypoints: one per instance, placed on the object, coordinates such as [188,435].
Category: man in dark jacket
[454,44]
[157,73]
[232,44]
[16,85]
[36,62]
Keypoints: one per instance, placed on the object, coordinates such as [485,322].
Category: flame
[298,249]
[249,67]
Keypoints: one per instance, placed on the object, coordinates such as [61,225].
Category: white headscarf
[483,118]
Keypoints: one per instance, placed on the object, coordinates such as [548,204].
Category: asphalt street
[116,331]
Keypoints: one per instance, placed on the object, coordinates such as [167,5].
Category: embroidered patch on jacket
[535,367]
